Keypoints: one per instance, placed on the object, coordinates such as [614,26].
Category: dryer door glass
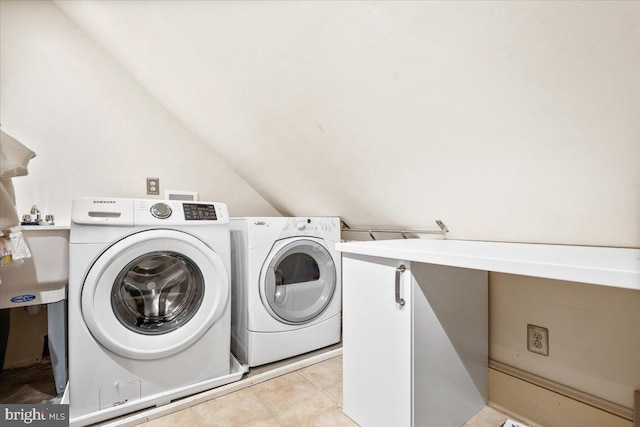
[300,281]
[157,292]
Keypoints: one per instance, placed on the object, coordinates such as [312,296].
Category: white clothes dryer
[149,304]
[286,287]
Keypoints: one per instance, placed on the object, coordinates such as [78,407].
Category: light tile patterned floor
[309,397]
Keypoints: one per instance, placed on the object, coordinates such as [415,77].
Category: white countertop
[617,267]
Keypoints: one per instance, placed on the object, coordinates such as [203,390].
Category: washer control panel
[111,211]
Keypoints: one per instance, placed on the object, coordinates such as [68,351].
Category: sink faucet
[35,211]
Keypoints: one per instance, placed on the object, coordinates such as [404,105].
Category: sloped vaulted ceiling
[509,121]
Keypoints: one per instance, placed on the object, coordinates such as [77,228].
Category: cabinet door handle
[401,269]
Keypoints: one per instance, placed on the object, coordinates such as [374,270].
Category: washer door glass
[300,281]
[157,292]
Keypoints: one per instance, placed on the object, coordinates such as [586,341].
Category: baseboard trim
[571,393]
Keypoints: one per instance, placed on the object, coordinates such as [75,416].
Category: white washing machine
[286,287]
[149,304]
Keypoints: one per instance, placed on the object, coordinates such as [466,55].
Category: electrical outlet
[153,186]
[538,339]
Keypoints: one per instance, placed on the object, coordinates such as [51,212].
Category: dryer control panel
[322,227]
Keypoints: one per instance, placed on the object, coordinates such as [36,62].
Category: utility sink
[41,279]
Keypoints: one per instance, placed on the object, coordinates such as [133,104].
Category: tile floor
[309,397]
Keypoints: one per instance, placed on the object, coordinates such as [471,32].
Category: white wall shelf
[616,267]
[29,228]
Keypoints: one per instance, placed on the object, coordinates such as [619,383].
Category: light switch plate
[181,195]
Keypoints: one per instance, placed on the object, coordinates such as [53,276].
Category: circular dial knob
[161,210]
[301,225]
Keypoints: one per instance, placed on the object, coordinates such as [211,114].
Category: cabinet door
[376,342]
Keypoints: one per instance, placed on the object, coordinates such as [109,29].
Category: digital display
[199,212]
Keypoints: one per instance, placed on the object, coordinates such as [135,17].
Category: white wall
[513,121]
[95,130]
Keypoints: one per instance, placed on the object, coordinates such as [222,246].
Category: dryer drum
[300,281]
[157,292]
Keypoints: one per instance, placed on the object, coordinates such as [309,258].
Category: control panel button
[301,225]
[161,210]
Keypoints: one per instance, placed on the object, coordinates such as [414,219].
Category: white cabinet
[423,363]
